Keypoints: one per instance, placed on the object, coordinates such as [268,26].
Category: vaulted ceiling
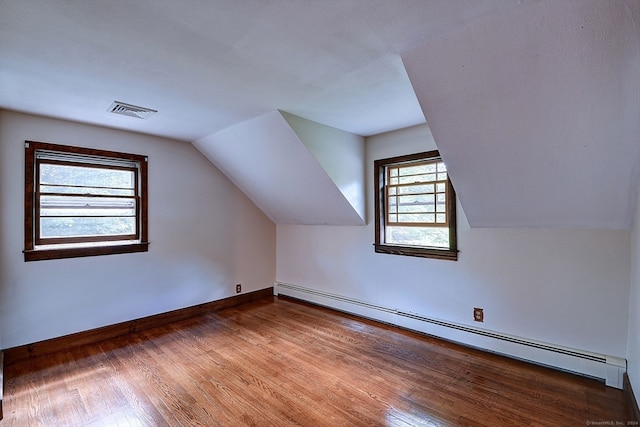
[534,105]
[536,111]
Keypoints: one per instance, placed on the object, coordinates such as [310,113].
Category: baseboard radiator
[611,369]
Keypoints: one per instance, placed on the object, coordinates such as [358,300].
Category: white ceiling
[537,113]
[207,65]
[534,105]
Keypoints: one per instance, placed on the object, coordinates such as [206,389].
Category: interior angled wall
[341,155]
[567,287]
[318,181]
[206,236]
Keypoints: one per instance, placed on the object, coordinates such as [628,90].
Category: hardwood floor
[278,362]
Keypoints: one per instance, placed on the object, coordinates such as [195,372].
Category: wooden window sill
[445,254]
[83,251]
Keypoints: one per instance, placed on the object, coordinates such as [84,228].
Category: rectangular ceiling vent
[130,110]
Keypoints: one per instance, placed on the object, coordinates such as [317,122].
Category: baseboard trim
[604,367]
[634,411]
[53,345]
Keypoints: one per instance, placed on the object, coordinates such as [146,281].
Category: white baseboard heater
[601,366]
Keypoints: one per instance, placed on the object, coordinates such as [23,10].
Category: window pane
[431,167]
[420,208]
[413,189]
[83,227]
[416,218]
[414,179]
[418,236]
[416,199]
[408,180]
[86,206]
[419,169]
[115,212]
[86,190]
[87,176]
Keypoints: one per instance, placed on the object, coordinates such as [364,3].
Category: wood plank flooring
[278,362]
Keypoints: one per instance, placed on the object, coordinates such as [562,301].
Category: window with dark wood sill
[415,207]
[83,202]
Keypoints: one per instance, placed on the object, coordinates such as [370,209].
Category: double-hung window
[415,207]
[83,202]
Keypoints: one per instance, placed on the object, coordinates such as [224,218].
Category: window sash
[398,168]
[398,200]
[70,158]
[133,187]
[97,198]
[426,204]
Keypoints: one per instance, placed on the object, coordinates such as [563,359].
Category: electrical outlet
[478,314]
[238,288]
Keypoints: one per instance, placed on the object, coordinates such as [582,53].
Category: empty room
[319,212]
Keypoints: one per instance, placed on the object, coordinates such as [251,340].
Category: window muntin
[83,201]
[416,194]
[415,207]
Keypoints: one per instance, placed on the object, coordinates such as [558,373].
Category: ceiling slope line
[317,182]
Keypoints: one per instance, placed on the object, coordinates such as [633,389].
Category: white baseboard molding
[611,369]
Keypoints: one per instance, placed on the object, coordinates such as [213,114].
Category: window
[83,202]
[415,207]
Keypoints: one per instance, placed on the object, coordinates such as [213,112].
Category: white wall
[633,352]
[561,286]
[341,155]
[284,179]
[205,236]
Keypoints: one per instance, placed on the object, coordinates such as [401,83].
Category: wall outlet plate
[238,288]
[478,314]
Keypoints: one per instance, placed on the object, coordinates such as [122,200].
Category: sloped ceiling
[533,104]
[266,158]
[209,65]
[536,111]
[341,154]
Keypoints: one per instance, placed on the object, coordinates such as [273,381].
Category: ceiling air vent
[130,110]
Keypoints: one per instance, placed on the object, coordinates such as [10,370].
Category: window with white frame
[415,207]
[83,202]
